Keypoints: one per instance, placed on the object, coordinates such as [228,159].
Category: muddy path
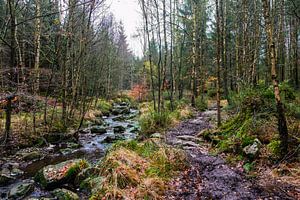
[209,177]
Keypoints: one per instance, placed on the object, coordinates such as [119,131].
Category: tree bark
[282,125]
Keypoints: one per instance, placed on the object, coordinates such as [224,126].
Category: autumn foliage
[139,92]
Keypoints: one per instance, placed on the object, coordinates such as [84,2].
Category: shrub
[201,103]
[274,147]
[104,106]
[212,92]
[153,122]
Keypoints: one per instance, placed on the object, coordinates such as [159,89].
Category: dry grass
[138,171]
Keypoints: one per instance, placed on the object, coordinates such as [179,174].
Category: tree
[282,125]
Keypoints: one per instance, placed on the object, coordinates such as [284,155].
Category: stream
[91,145]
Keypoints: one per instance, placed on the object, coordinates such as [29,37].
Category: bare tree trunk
[37,44]
[11,4]
[218,49]
[149,49]
[282,125]
[195,53]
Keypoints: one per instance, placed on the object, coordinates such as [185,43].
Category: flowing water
[90,146]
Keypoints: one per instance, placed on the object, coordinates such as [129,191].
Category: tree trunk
[37,44]
[282,125]
[218,49]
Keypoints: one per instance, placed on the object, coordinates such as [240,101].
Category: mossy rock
[32,155]
[92,184]
[119,129]
[52,176]
[98,130]
[20,190]
[64,194]
[5,179]
[86,173]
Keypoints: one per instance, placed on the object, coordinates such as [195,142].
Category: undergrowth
[133,170]
[152,121]
[255,118]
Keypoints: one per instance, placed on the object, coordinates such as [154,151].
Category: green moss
[63,194]
[40,178]
[274,147]
[248,167]
[77,167]
[104,106]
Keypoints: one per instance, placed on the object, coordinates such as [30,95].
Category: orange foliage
[139,92]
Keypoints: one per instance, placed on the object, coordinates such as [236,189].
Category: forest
[210,109]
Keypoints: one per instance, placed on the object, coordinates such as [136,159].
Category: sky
[128,11]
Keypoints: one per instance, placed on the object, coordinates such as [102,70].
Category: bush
[212,92]
[104,106]
[201,103]
[153,122]
[287,92]
[274,147]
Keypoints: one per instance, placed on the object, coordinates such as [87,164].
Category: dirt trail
[209,177]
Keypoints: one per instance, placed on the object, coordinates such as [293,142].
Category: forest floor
[209,177]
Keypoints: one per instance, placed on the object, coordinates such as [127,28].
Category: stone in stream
[124,104]
[64,194]
[119,118]
[20,190]
[113,138]
[16,172]
[135,129]
[28,156]
[52,176]
[5,177]
[120,110]
[119,129]
[98,130]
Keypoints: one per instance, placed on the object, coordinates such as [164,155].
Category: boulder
[64,194]
[119,129]
[135,129]
[124,104]
[20,190]
[120,110]
[16,172]
[92,184]
[28,156]
[119,118]
[52,176]
[113,138]
[116,111]
[86,173]
[253,149]
[98,130]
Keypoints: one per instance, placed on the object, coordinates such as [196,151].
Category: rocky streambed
[56,171]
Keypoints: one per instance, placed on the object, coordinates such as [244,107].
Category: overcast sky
[128,11]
